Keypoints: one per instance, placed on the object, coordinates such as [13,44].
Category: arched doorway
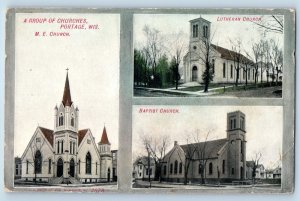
[72,168]
[195,74]
[60,168]
[108,175]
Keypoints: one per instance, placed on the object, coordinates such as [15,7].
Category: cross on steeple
[67,69]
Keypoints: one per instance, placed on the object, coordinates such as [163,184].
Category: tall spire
[104,138]
[67,101]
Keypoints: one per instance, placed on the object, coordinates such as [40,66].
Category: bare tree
[276,58]
[270,23]
[237,57]
[256,52]
[189,152]
[255,160]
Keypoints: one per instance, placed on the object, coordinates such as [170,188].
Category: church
[223,61]
[67,154]
[221,160]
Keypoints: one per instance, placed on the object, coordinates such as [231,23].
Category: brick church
[218,160]
[67,154]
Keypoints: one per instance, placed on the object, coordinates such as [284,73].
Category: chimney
[175,143]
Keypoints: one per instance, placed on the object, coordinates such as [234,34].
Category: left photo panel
[66,100]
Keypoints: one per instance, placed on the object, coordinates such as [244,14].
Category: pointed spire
[67,101]
[104,138]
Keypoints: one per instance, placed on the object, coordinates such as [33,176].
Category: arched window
[253,73]
[73,147]
[27,163]
[248,74]
[195,30]
[223,167]
[72,120]
[210,168]
[49,165]
[38,162]
[79,166]
[199,168]
[171,168]
[88,163]
[205,29]
[58,142]
[224,70]
[180,167]
[175,167]
[213,66]
[61,120]
[96,167]
[231,71]
[71,150]
[165,170]
[194,74]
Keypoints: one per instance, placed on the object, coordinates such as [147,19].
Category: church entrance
[195,74]
[242,173]
[72,168]
[60,168]
[108,175]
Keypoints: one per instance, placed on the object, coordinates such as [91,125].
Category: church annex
[222,160]
[67,154]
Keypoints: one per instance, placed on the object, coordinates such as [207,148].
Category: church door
[72,167]
[108,175]
[195,74]
[242,173]
[60,168]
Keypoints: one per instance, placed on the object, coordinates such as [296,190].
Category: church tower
[236,135]
[106,157]
[199,37]
[65,134]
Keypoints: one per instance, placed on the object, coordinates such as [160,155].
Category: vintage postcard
[66,101]
[150,100]
[208,55]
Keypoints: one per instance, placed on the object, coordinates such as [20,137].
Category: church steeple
[104,138]
[104,144]
[67,101]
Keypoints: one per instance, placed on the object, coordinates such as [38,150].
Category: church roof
[48,134]
[210,149]
[230,55]
[81,134]
[104,138]
[67,101]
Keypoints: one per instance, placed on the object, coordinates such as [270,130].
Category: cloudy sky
[221,31]
[263,127]
[93,59]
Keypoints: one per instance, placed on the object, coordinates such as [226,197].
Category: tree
[141,73]
[271,23]
[237,58]
[276,57]
[156,149]
[255,165]
[256,52]
[189,152]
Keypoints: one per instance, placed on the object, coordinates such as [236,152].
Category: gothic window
[223,167]
[96,167]
[58,142]
[38,162]
[175,167]
[231,71]
[253,74]
[242,123]
[61,120]
[205,31]
[171,168]
[49,165]
[234,123]
[213,66]
[38,140]
[79,166]
[244,73]
[248,74]
[88,163]
[71,147]
[72,120]
[195,30]
[180,167]
[224,70]
[199,168]
[27,163]
[210,168]
[165,170]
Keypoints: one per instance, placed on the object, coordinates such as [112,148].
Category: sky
[222,32]
[92,56]
[263,126]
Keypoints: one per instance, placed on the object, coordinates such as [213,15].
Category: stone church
[221,160]
[67,154]
[223,60]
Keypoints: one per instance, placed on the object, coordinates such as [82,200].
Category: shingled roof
[81,134]
[104,138]
[231,55]
[48,134]
[210,148]
[67,101]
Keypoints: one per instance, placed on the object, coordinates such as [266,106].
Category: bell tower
[106,157]
[236,135]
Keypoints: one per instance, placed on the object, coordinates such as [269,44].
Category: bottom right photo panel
[203,147]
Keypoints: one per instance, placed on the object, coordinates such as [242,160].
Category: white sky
[263,127]
[169,24]
[93,59]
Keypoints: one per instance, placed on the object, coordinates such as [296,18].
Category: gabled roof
[104,138]
[81,134]
[48,134]
[144,161]
[67,101]
[210,149]
[231,55]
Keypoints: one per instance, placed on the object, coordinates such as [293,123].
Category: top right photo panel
[195,55]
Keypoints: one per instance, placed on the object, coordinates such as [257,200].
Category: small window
[88,141]
[61,120]
[72,121]
[38,140]
[195,47]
